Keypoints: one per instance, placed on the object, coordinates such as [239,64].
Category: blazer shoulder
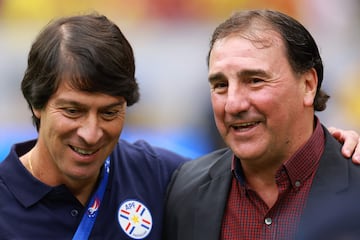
[219,159]
[333,159]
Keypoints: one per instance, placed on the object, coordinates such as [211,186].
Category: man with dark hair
[265,75]
[77,180]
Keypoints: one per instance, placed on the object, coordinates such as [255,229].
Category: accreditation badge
[135,219]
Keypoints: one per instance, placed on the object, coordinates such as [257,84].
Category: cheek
[279,108]
[217,113]
[63,126]
[114,129]
[57,128]
[218,106]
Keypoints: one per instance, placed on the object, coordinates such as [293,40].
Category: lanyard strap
[89,217]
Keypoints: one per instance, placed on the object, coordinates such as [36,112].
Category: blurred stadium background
[170,40]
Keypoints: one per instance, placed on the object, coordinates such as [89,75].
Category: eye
[110,115]
[256,80]
[72,112]
[219,86]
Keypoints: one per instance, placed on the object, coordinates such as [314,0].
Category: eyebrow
[215,77]
[63,101]
[242,74]
[252,72]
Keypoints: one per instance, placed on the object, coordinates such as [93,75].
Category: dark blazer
[198,191]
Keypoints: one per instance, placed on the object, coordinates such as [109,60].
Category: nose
[237,100]
[90,130]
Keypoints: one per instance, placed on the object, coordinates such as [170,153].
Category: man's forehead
[260,37]
[66,87]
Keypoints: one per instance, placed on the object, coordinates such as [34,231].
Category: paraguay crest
[135,219]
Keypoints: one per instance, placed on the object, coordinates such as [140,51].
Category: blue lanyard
[89,217]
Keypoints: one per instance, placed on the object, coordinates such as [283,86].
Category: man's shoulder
[219,160]
[210,158]
[142,148]
[332,159]
[144,156]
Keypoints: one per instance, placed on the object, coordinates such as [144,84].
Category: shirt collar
[306,159]
[26,189]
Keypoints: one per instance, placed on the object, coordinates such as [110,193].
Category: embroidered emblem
[135,219]
[94,207]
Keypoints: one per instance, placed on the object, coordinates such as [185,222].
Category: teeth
[244,124]
[82,151]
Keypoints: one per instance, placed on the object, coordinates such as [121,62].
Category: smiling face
[262,109]
[78,130]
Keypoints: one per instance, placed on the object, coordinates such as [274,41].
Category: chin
[246,152]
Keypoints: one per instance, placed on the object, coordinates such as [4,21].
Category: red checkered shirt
[248,217]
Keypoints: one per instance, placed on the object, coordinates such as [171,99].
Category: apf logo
[135,219]
[93,209]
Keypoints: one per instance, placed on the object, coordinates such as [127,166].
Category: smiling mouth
[244,125]
[82,151]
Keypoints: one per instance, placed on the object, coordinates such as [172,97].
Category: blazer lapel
[332,175]
[331,178]
[211,199]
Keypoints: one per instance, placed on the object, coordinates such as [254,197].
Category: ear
[310,86]
[37,112]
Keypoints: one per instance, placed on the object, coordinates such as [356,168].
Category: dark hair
[89,51]
[301,49]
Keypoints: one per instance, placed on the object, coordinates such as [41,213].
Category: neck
[261,179]
[83,193]
[81,189]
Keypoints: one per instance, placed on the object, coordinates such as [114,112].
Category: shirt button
[74,212]
[268,221]
[297,184]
